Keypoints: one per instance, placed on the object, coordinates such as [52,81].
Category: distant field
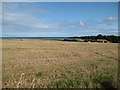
[34,63]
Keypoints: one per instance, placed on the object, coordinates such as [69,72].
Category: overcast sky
[59,19]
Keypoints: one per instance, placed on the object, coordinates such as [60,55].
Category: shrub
[39,74]
[85,82]
[103,81]
[68,83]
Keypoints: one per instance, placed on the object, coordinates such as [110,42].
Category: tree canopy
[110,38]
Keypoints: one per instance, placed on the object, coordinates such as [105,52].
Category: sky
[60,0]
[59,19]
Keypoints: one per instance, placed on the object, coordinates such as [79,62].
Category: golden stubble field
[39,63]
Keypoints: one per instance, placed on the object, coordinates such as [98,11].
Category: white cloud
[110,20]
[82,23]
[23,19]
[27,20]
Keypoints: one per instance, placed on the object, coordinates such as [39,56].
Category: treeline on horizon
[110,38]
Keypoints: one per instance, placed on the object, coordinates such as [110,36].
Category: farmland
[37,63]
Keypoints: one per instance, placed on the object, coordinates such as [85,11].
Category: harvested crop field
[37,63]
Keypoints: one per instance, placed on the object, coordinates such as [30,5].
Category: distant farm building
[80,40]
[96,40]
[86,40]
[102,40]
[99,40]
